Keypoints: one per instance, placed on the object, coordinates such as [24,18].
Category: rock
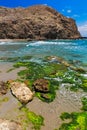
[3,88]
[21,92]
[65,63]
[42,85]
[38,22]
[9,125]
[47,97]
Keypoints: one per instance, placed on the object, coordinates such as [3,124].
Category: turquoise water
[71,50]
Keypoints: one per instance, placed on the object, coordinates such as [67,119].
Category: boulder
[37,22]
[9,125]
[41,85]
[21,92]
[3,88]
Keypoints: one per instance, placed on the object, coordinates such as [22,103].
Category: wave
[39,43]
[12,43]
[2,43]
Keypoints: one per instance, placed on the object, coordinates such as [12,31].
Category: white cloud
[69,11]
[83,29]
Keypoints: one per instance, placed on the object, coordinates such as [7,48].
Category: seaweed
[78,122]
[65,115]
[54,70]
[51,71]
[50,96]
[46,97]
[16,59]
[36,71]
[84,103]
[84,85]
[36,120]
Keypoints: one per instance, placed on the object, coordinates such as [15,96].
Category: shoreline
[32,40]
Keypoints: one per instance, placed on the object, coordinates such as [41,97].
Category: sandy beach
[65,101]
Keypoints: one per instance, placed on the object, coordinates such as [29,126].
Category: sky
[76,9]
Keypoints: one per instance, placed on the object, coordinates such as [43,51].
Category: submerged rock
[65,63]
[9,125]
[42,85]
[38,22]
[3,88]
[21,92]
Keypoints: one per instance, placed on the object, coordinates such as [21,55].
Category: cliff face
[36,23]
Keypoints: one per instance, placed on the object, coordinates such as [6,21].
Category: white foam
[39,43]
[84,75]
[2,43]
[11,43]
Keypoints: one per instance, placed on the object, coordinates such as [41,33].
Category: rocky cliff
[36,23]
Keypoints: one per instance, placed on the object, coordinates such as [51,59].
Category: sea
[73,51]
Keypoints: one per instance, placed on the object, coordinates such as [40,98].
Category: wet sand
[5,75]
[65,101]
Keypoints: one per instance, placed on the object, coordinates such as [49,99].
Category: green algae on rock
[34,72]
[51,94]
[84,85]
[15,59]
[30,117]
[56,73]
[46,97]
[78,122]
[84,103]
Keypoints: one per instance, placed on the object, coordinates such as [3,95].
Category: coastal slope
[37,22]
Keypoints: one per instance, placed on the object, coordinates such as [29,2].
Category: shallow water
[71,50]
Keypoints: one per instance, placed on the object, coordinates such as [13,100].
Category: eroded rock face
[36,23]
[41,85]
[21,92]
[9,125]
[3,88]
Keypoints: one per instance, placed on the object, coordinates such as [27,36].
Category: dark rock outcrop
[3,88]
[36,23]
[42,85]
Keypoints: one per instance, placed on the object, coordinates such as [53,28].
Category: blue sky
[76,9]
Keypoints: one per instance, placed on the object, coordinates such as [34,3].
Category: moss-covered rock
[42,85]
[50,71]
[79,122]
[50,96]
[84,103]
[3,88]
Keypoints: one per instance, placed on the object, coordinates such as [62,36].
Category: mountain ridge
[37,22]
